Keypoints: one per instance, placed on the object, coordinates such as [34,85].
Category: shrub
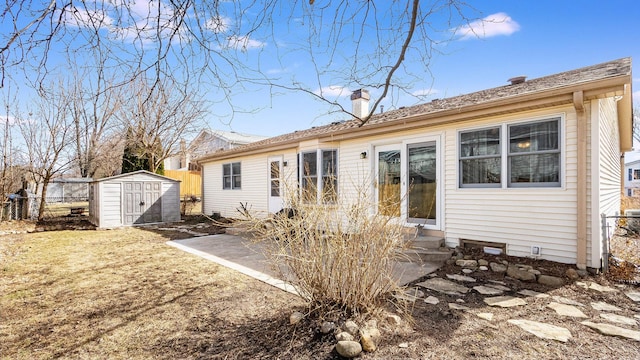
[340,256]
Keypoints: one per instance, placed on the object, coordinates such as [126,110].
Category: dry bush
[340,256]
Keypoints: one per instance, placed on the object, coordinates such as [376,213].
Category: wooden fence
[191,181]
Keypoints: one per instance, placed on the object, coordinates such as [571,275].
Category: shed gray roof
[161,177]
[585,75]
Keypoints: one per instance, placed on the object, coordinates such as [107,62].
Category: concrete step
[434,256]
[426,242]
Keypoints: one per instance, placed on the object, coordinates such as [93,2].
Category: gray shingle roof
[603,71]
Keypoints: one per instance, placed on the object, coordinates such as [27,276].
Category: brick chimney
[360,103]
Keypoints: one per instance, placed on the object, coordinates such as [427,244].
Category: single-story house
[207,141]
[136,198]
[529,166]
[632,178]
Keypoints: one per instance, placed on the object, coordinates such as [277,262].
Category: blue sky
[534,38]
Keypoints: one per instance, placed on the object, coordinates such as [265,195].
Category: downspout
[581,231]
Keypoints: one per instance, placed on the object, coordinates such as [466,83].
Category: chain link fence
[27,207]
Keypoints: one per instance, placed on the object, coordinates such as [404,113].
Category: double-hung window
[319,176]
[520,155]
[480,158]
[534,154]
[231,176]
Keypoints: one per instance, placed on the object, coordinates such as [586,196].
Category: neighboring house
[632,178]
[207,141]
[529,166]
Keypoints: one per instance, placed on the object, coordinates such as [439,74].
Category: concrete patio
[248,258]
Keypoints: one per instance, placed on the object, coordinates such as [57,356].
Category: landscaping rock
[499,287]
[454,306]
[486,290]
[504,301]
[444,286]
[531,293]
[603,306]
[619,319]
[432,300]
[348,349]
[344,336]
[467,271]
[534,272]
[499,268]
[485,316]
[612,330]
[566,301]
[469,264]
[351,327]
[327,327]
[633,295]
[566,310]
[572,274]
[542,330]
[483,268]
[519,274]
[550,280]
[461,278]
[296,317]
[367,342]
[483,262]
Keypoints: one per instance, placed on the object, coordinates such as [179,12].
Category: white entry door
[276,201]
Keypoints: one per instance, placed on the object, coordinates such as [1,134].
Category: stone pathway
[610,320]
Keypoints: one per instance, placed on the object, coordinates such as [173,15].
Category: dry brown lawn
[125,294]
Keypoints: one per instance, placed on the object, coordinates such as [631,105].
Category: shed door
[141,202]
[153,209]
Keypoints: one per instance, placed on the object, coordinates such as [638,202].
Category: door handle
[141,203]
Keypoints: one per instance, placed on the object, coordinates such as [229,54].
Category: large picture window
[315,165]
[231,176]
[522,155]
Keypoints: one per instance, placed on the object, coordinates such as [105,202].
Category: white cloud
[78,17]
[425,92]
[9,118]
[492,25]
[244,43]
[332,91]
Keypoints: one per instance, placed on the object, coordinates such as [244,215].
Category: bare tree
[159,115]
[231,46]
[94,104]
[47,133]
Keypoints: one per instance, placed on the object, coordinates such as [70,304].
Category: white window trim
[319,172]
[504,148]
[231,187]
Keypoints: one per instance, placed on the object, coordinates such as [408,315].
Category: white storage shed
[134,198]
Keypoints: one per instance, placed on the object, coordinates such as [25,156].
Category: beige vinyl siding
[110,204]
[521,217]
[609,167]
[254,189]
